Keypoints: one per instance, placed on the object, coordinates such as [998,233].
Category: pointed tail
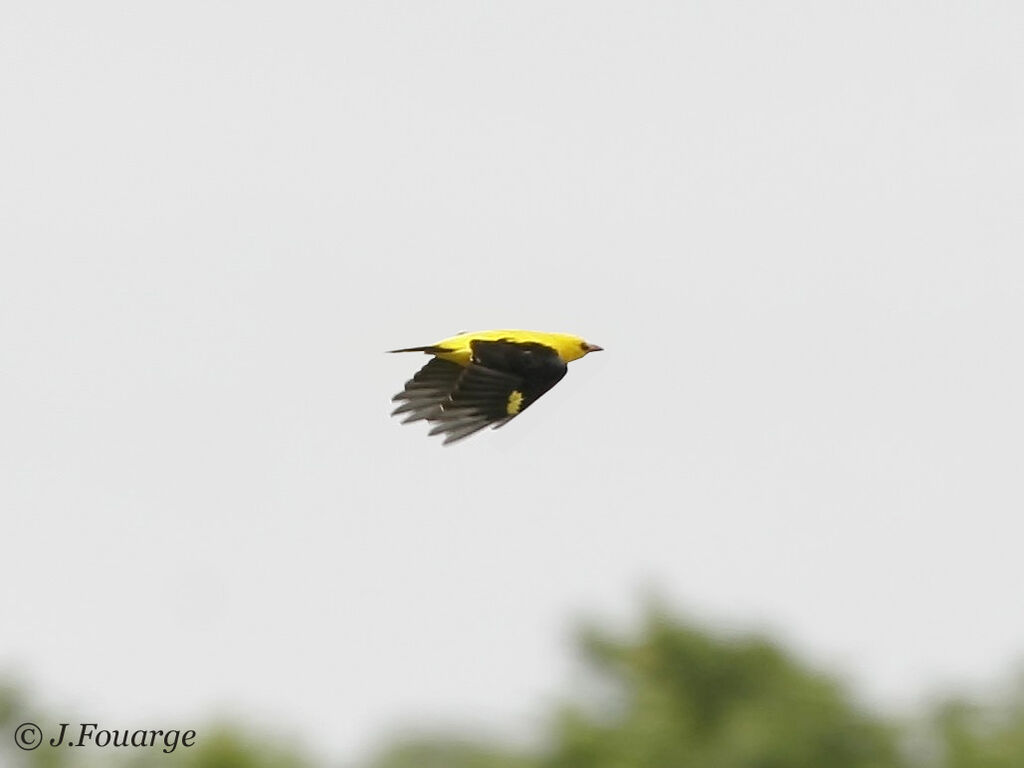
[429,350]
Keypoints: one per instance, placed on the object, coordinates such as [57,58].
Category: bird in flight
[485,378]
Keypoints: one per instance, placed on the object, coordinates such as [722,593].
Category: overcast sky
[796,228]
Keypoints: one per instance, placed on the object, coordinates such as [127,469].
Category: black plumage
[502,379]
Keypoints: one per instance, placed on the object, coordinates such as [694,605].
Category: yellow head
[572,347]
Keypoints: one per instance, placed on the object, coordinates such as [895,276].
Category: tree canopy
[673,695]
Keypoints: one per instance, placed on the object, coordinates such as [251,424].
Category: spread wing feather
[424,392]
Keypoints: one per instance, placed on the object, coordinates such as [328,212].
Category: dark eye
[584,346]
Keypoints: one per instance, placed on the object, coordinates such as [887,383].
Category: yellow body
[456,349]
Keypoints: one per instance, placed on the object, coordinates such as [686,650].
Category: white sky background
[796,228]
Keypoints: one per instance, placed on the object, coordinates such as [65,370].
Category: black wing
[537,366]
[424,392]
[503,379]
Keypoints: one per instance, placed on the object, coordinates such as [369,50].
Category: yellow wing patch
[515,402]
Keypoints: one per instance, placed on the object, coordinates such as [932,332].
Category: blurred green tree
[684,697]
[679,696]
[968,734]
[225,747]
[672,696]
[16,709]
[454,752]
